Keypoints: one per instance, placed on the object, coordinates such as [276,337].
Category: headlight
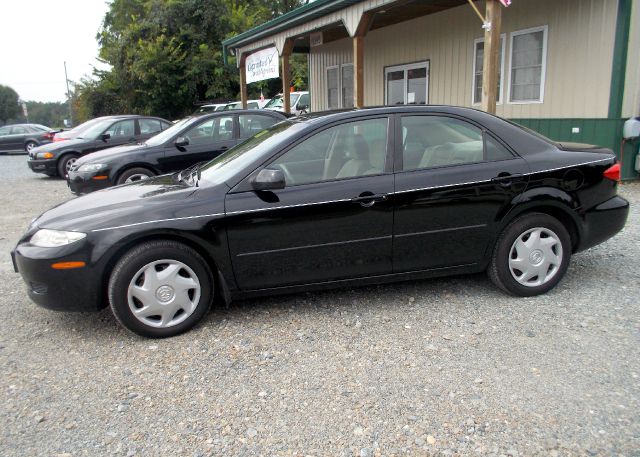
[44,155]
[91,167]
[46,238]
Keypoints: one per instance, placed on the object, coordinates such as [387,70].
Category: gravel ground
[439,367]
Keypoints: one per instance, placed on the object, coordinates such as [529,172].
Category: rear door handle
[506,179]
[368,199]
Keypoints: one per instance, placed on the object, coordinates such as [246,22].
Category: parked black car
[357,197]
[25,137]
[191,140]
[57,158]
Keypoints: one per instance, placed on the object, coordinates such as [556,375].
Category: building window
[478,64]
[528,65]
[340,86]
[407,84]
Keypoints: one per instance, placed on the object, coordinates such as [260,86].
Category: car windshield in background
[78,129]
[95,130]
[278,101]
[165,135]
[226,164]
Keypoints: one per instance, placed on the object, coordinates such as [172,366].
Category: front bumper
[77,289]
[603,221]
[48,166]
[80,183]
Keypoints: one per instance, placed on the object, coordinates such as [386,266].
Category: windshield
[227,164]
[165,135]
[278,101]
[95,130]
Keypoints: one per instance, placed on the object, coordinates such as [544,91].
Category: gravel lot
[438,367]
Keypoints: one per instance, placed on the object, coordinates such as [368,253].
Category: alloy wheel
[136,177]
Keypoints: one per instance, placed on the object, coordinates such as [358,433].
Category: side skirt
[365,281]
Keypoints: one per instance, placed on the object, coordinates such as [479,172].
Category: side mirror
[268,179]
[105,136]
[181,142]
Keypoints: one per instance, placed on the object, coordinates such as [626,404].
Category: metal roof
[305,13]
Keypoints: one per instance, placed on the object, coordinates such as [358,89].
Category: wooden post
[286,75]
[243,81]
[358,58]
[491,61]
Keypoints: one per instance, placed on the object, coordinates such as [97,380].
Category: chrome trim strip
[440,230]
[157,220]
[310,246]
[568,166]
[287,206]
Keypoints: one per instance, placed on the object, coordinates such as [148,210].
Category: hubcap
[535,257]
[163,293]
[136,177]
[70,163]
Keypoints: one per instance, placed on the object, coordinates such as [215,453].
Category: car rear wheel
[29,145]
[531,255]
[160,289]
[65,163]
[135,174]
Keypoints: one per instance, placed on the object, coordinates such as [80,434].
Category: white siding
[581,37]
[631,102]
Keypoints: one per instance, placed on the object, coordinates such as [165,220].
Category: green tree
[9,106]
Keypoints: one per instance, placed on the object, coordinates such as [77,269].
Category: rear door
[454,181]
[207,139]
[332,221]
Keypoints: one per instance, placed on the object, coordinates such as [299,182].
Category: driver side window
[344,151]
[211,131]
[122,129]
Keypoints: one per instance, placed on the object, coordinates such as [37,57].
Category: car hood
[133,203]
[111,153]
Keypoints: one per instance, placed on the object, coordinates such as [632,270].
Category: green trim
[297,16]
[602,132]
[619,67]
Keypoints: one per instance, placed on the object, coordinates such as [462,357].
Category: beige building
[567,68]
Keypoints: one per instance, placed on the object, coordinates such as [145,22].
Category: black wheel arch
[129,166]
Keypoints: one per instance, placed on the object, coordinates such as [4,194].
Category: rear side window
[250,124]
[122,129]
[495,151]
[148,126]
[18,130]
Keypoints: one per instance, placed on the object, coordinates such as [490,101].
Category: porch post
[286,75]
[490,63]
[243,81]
[358,58]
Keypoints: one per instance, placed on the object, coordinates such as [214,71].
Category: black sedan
[24,137]
[192,140]
[338,199]
[57,158]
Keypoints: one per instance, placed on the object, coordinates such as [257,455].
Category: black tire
[64,162]
[29,145]
[499,270]
[139,257]
[138,171]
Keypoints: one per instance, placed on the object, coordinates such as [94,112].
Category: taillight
[613,172]
[57,139]
[49,135]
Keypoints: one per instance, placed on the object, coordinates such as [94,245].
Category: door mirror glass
[181,142]
[105,136]
[268,179]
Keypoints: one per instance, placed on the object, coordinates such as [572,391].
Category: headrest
[357,148]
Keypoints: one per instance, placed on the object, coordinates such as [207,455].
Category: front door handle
[368,199]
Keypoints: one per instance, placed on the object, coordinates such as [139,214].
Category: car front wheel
[65,164]
[135,174]
[531,255]
[160,289]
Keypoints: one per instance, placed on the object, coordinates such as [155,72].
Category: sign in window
[407,84]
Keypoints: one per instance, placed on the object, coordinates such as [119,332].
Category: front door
[207,139]
[332,221]
[454,183]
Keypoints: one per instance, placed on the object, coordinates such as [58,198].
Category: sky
[38,36]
